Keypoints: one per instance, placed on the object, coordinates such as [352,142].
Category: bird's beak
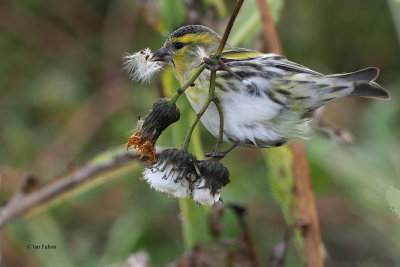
[162,55]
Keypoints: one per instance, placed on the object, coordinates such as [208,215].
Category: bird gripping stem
[212,63]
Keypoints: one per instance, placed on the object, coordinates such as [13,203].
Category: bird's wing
[284,64]
[232,54]
[238,54]
[284,82]
[255,74]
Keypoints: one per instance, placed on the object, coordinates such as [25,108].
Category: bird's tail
[364,85]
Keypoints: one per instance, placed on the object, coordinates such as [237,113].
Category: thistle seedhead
[177,172]
[160,117]
[139,66]
[213,176]
[173,173]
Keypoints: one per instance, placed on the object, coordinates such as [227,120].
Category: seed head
[160,117]
[213,176]
[173,173]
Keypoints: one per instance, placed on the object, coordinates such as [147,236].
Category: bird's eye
[178,45]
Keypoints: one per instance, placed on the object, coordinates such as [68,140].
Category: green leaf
[279,161]
[393,198]
[280,176]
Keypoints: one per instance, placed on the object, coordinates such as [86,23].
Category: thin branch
[313,248]
[271,37]
[32,194]
[228,28]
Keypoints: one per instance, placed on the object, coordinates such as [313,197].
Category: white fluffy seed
[203,195]
[139,66]
[167,181]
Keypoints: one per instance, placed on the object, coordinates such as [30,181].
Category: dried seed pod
[160,117]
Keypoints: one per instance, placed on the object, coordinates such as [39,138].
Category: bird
[266,99]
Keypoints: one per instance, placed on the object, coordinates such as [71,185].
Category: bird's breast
[197,96]
[197,93]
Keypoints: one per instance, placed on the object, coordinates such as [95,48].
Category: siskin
[270,99]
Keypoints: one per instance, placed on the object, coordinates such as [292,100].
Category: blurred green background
[64,98]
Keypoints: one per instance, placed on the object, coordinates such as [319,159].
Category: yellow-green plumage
[268,100]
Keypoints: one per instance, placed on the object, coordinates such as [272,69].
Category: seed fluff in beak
[139,66]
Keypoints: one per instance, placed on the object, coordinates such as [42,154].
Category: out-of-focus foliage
[393,198]
[248,23]
[64,98]
[394,6]
[172,15]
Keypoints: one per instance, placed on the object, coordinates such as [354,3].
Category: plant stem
[279,161]
[190,82]
[313,247]
[221,126]
[211,95]
[29,199]
[229,27]
[194,218]
[195,225]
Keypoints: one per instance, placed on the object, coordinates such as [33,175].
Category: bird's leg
[221,126]
[232,147]
[222,154]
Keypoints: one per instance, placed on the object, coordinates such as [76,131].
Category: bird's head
[186,47]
